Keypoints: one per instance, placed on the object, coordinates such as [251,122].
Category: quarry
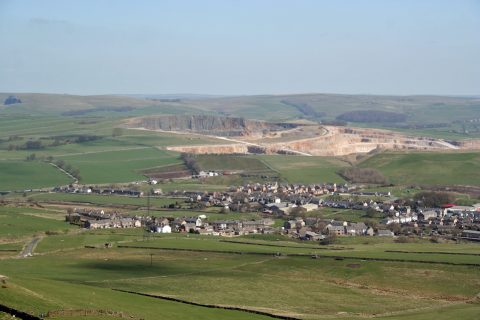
[245,136]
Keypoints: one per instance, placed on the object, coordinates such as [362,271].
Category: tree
[370,213]
[298,212]
[329,239]
[60,163]
[433,199]
[29,145]
[395,228]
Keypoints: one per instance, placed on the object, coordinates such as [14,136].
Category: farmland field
[22,175]
[388,290]
[427,168]
[303,169]
[23,222]
[104,199]
[119,166]
[227,162]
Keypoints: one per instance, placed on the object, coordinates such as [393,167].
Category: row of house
[99,190]
[99,219]
[201,225]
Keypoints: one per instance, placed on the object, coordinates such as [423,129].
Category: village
[290,209]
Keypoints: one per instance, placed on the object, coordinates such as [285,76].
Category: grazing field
[23,175]
[428,168]
[119,166]
[303,169]
[385,290]
[230,162]
[105,200]
[19,223]
[168,172]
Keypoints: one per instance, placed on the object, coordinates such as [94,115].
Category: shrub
[363,175]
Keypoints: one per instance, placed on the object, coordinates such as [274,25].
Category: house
[428,214]
[290,224]
[312,236]
[163,229]
[310,206]
[226,224]
[356,229]
[335,229]
[370,232]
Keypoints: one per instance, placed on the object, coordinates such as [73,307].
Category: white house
[164,229]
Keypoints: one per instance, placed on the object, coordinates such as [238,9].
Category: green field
[23,175]
[386,290]
[64,275]
[105,200]
[119,166]
[23,222]
[230,162]
[303,169]
[427,168]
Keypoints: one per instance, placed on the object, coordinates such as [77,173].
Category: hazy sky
[240,47]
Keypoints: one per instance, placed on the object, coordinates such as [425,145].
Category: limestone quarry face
[243,136]
[207,124]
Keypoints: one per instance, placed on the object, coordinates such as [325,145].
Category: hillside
[74,105]
[434,116]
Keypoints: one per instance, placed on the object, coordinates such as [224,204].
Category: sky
[242,47]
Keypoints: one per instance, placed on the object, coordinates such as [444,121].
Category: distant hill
[411,112]
[64,104]
[328,106]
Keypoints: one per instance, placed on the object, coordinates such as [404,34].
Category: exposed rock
[213,149]
[12,100]
[208,124]
[338,141]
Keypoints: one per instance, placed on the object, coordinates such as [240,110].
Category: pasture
[23,175]
[105,200]
[119,166]
[323,287]
[23,222]
[304,169]
[230,162]
[421,168]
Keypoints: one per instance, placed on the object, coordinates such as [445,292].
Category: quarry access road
[260,146]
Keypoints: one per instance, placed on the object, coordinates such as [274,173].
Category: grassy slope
[420,109]
[103,200]
[230,162]
[18,223]
[302,169]
[22,175]
[327,286]
[428,168]
[119,166]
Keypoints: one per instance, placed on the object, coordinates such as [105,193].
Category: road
[28,249]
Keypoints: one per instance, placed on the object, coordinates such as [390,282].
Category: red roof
[448,205]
